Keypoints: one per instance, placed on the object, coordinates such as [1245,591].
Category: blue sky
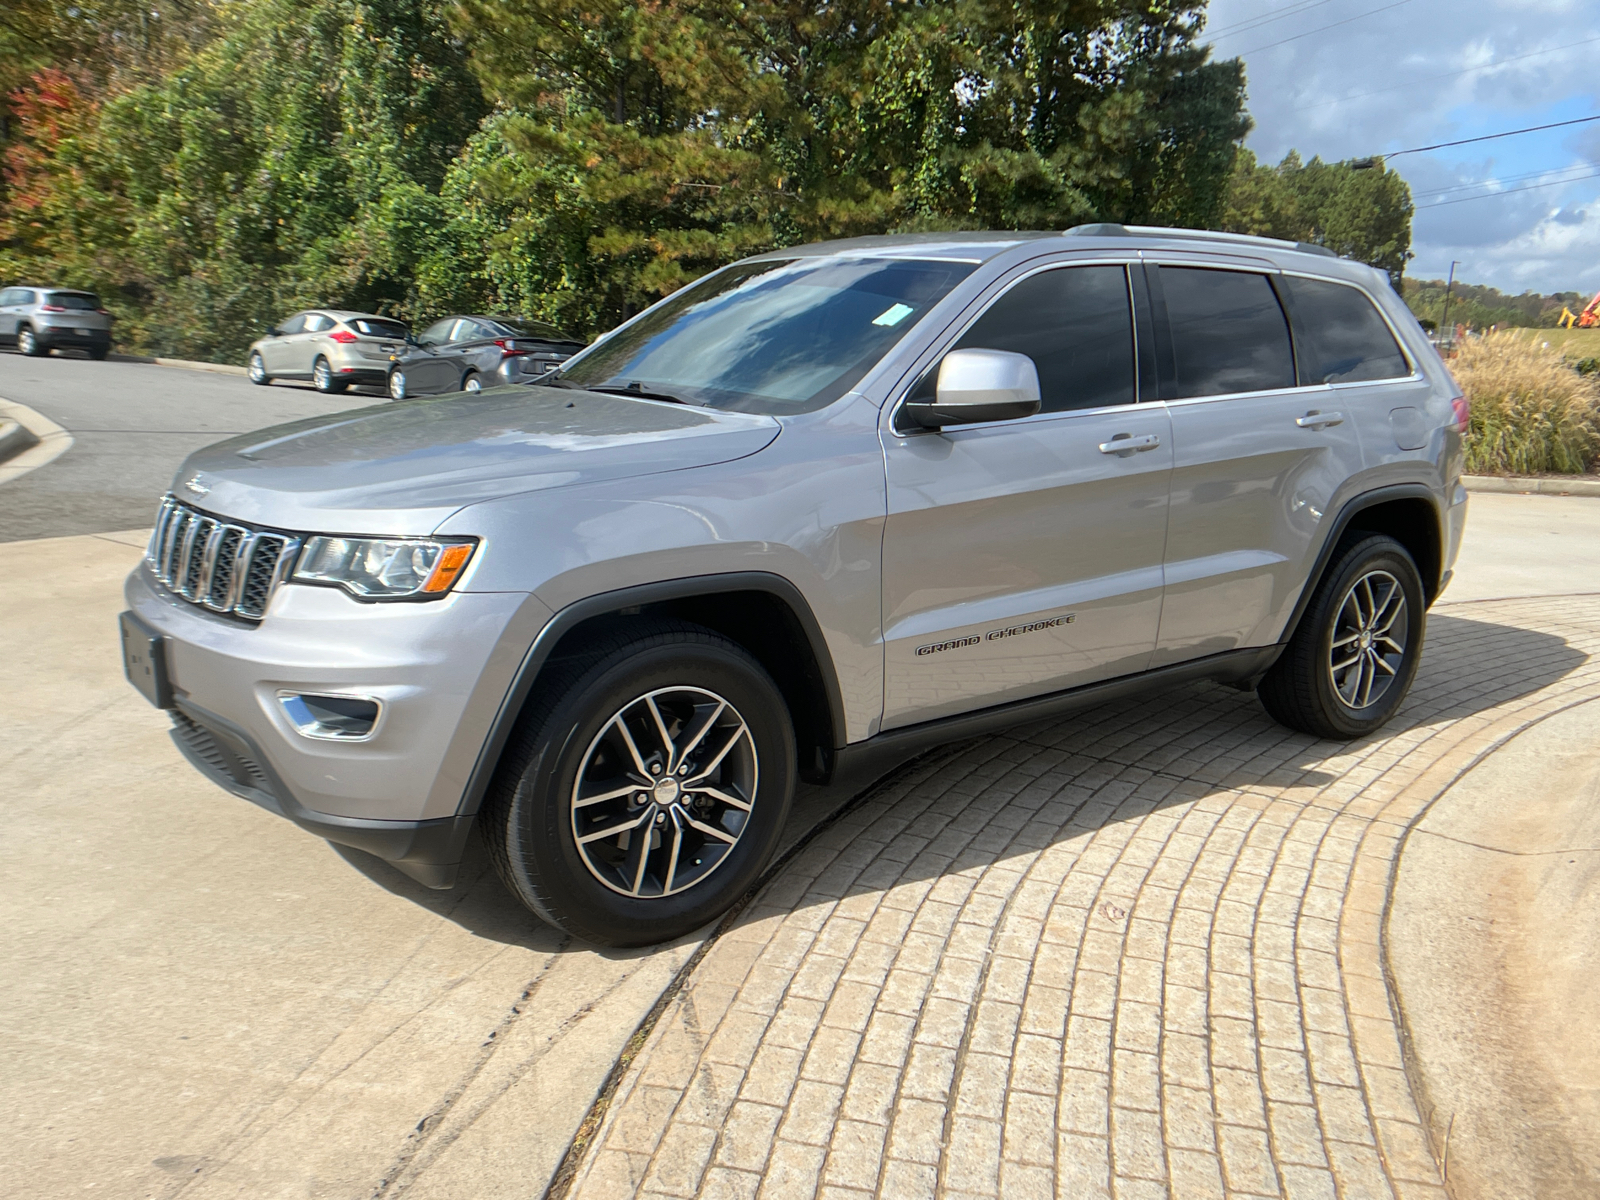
[1370,76]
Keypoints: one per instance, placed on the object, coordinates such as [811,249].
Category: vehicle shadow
[1192,741]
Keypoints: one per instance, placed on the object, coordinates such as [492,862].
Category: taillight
[509,349]
[1462,410]
[51,308]
[343,336]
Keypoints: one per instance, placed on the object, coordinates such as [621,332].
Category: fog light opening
[331,718]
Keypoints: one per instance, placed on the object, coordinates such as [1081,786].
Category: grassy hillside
[1572,343]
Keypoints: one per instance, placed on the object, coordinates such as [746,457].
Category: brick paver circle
[1136,953]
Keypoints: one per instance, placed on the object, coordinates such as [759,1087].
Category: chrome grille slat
[218,565]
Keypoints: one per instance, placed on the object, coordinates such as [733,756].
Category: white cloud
[1426,71]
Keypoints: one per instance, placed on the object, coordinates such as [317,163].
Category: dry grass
[1532,414]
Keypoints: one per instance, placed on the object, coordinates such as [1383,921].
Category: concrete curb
[15,438]
[38,440]
[186,364]
[1544,485]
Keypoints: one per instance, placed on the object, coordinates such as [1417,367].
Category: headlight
[384,568]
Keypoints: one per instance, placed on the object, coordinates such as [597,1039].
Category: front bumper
[435,667]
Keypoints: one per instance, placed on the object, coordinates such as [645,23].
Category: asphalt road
[132,424]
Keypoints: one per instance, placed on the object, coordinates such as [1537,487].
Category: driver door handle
[1316,420]
[1125,444]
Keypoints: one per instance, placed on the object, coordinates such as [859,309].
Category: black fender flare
[606,603]
[1336,530]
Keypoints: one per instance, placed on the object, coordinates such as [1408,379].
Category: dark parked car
[464,354]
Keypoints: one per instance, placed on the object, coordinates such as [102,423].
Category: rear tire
[473,382]
[1352,658]
[258,369]
[99,353]
[322,378]
[629,889]
[28,343]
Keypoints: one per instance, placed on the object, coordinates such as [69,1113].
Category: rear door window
[1228,332]
[317,322]
[1339,335]
[1076,323]
[470,331]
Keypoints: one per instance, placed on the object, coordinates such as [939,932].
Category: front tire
[322,378]
[397,385]
[28,343]
[1354,654]
[669,712]
[258,369]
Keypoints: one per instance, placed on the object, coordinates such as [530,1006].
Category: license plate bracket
[144,660]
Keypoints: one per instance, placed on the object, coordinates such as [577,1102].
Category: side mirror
[976,386]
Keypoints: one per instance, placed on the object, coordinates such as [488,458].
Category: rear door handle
[1316,420]
[1124,444]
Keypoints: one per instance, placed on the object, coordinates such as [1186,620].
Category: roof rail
[1201,235]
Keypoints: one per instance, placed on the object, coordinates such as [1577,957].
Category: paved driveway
[1134,954]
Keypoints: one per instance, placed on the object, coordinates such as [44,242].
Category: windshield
[76,301]
[770,337]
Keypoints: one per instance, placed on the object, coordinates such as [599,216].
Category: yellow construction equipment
[1567,319]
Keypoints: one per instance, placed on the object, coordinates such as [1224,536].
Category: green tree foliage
[1363,214]
[1479,307]
[571,161]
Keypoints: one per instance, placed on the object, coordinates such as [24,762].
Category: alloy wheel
[473,383]
[664,792]
[258,369]
[1369,640]
[322,375]
[397,385]
[27,343]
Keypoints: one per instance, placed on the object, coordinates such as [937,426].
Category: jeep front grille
[224,567]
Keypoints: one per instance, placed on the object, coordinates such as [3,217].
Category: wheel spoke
[1339,666]
[622,728]
[614,794]
[705,728]
[722,835]
[707,768]
[644,855]
[613,830]
[1345,641]
[672,863]
[668,754]
[1367,676]
[1399,611]
[719,794]
[1379,661]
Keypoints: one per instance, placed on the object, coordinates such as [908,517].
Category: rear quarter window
[1229,333]
[1339,335]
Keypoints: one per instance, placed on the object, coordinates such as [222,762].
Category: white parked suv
[821,509]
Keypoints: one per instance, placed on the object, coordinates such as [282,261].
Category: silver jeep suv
[811,514]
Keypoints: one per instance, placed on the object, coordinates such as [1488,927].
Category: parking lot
[1137,952]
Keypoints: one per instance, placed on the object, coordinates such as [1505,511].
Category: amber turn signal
[447,568]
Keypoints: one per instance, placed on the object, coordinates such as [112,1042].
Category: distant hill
[1480,307]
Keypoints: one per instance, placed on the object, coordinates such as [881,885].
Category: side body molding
[606,603]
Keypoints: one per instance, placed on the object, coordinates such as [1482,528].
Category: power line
[1489,137]
[1508,192]
[1322,28]
[1293,10]
[1448,75]
[1504,179]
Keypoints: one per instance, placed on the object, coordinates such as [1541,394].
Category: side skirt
[878,755]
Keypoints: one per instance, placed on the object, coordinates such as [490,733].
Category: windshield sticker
[894,314]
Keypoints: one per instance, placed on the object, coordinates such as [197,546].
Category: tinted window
[471,331]
[1076,325]
[775,336]
[438,332]
[9,296]
[74,301]
[1229,333]
[1340,336]
[375,328]
[295,324]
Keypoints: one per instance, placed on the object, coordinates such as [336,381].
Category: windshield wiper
[634,389]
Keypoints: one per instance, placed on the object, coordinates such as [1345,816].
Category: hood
[403,468]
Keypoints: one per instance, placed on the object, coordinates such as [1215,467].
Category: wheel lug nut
[655,768]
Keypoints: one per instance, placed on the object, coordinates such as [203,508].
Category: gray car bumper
[396,794]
